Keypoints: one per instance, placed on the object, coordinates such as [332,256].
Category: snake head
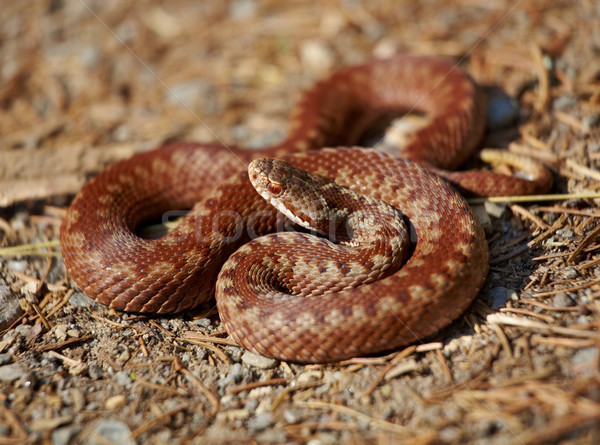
[300,195]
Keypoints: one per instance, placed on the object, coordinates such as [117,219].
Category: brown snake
[369,312]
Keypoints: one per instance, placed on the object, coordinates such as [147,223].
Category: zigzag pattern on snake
[447,258]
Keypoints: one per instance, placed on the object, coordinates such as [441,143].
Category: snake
[316,249]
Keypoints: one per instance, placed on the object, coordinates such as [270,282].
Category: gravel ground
[85,83]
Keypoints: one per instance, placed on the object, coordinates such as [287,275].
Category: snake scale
[336,306]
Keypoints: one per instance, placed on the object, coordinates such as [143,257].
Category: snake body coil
[447,262]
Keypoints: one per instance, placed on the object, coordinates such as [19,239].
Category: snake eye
[274,189]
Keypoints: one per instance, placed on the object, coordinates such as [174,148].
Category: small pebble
[499,296]
[5,359]
[260,422]
[63,436]
[591,121]
[110,431]
[565,232]
[585,359]
[291,416]
[17,265]
[12,372]
[502,110]
[316,56]
[565,101]
[234,376]
[95,371]
[115,402]
[251,405]
[494,209]
[563,300]
[203,322]
[483,216]
[229,401]
[195,94]
[242,9]
[11,309]
[123,379]
[79,299]
[235,353]
[258,361]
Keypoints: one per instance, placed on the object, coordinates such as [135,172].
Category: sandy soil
[83,84]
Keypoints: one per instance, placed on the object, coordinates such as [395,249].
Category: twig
[252,385]
[178,367]
[503,340]
[158,419]
[403,354]
[218,352]
[378,423]
[568,289]
[543,78]
[556,209]
[571,121]
[290,389]
[582,170]
[528,215]
[191,335]
[65,299]
[583,244]
[514,310]
[536,325]
[575,343]
[535,198]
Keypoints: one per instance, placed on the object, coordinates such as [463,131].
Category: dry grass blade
[377,423]
[537,326]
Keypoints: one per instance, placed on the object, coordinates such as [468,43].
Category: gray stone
[260,422]
[5,359]
[258,361]
[95,372]
[565,101]
[12,372]
[482,216]
[495,209]
[562,300]
[235,353]
[591,121]
[502,110]
[242,9]
[123,379]
[79,299]
[203,322]
[196,94]
[17,265]
[292,415]
[251,405]
[585,356]
[499,296]
[565,232]
[111,431]
[235,375]
[63,436]
[11,309]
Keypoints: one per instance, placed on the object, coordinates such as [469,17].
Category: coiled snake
[375,306]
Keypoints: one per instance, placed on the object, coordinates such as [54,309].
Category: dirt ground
[85,83]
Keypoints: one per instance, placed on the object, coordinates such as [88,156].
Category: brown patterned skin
[448,259]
